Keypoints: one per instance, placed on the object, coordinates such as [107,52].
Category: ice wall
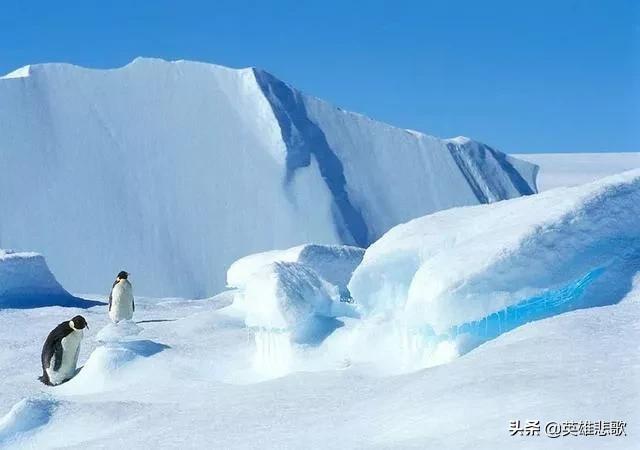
[173,170]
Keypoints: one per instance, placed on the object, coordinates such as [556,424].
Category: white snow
[334,263]
[571,169]
[115,332]
[292,297]
[173,170]
[582,365]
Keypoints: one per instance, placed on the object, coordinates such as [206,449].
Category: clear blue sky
[523,76]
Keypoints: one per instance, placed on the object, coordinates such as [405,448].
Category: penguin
[121,303]
[60,351]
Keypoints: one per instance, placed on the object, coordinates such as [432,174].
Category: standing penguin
[121,303]
[60,351]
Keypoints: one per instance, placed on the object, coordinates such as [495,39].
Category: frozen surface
[469,274]
[571,169]
[173,170]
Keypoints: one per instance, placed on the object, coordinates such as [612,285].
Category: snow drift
[27,282]
[285,289]
[25,416]
[333,263]
[292,297]
[172,171]
[469,274]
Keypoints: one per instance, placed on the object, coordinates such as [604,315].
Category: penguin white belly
[121,302]
[70,352]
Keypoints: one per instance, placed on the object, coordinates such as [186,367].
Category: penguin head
[78,323]
[122,275]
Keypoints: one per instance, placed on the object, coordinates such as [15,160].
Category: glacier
[173,170]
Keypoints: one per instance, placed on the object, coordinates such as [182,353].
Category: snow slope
[466,275]
[173,170]
[571,169]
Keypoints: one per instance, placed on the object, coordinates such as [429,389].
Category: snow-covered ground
[571,169]
[198,392]
[185,375]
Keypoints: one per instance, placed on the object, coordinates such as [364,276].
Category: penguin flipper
[57,355]
[111,293]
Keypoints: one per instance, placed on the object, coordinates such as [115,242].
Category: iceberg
[173,170]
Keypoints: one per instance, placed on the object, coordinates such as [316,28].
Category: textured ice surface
[173,170]
[333,263]
[291,297]
[474,273]
[285,289]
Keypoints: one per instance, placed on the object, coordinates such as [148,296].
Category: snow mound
[115,332]
[27,282]
[106,367]
[292,297]
[333,263]
[235,159]
[285,289]
[28,414]
[470,274]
